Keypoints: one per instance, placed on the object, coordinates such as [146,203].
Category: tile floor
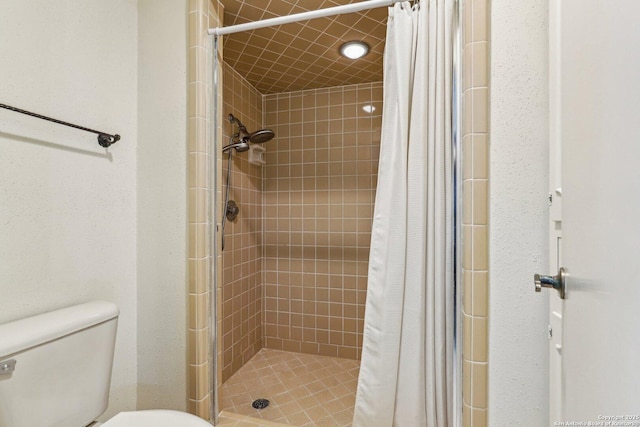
[304,390]
[237,420]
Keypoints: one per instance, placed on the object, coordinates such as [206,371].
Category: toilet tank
[55,368]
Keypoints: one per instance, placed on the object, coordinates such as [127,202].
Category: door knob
[556,282]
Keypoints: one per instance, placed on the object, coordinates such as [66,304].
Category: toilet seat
[155,418]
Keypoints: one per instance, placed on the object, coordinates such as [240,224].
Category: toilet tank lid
[23,334]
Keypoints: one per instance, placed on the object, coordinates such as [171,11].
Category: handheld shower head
[241,145]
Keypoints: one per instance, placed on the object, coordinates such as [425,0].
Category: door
[600,245]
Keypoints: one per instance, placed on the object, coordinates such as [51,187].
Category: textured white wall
[70,230]
[67,207]
[518,362]
[162,196]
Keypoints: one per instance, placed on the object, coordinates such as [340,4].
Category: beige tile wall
[319,190]
[475,212]
[242,257]
[202,15]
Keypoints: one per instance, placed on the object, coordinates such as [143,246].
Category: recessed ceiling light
[368,108]
[354,49]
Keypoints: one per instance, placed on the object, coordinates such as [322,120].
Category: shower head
[261,136]
[243,137]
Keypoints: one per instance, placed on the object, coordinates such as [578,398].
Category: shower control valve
[232,210]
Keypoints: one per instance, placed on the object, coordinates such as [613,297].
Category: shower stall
[294,269]
[294,230]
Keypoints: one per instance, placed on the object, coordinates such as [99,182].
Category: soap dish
[256,155]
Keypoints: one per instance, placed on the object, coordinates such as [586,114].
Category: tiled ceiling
[303,55]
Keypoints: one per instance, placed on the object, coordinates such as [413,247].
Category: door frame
[556,305]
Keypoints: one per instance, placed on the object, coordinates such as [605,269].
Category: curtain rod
[104,139]
[304,16]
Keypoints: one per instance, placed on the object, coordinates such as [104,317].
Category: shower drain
[260,403]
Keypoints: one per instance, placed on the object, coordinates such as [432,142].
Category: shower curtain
[407,358]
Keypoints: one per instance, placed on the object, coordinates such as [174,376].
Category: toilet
[55,371]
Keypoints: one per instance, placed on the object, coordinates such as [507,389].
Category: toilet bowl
[155,418]
[49,360]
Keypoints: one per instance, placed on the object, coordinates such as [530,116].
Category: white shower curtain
[407,359]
